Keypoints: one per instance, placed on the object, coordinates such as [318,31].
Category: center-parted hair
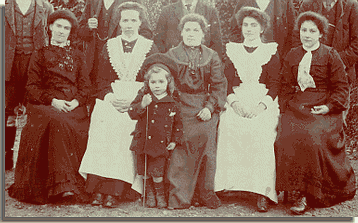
[262,18]
[320,21]
[156,68]
[194,17]
[133,6]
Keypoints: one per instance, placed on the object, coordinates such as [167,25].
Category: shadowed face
[309,34]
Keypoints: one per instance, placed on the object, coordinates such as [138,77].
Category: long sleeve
[273,77]
[230,72]
[161,30]
[37,93]
[286,89]
[338,99]
[135,111]
[83,82]
[106,75]
[232,80]
[218,86]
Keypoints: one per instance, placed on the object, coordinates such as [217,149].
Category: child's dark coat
[164,125]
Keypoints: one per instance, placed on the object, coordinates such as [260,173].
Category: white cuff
[267,100]
[231,98]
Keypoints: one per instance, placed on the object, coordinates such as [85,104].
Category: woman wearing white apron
[247,129]
[108,164]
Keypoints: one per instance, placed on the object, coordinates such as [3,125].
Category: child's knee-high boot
[149,194]
[160,195]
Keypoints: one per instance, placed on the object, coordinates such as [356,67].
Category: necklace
[193,63]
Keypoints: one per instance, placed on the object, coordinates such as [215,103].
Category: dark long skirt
[116,188]
[192,167]
[51,149]
[310,153]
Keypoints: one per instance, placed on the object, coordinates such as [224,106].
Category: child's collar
[167,98]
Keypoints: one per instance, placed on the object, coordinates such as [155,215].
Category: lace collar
[127,65]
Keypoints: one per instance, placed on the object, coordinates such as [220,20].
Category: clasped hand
[245,112]
[171,146]
[63,105]
[120,105]
[92,23]
[146,100]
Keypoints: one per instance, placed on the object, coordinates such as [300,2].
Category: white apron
[245,154]
[108,153]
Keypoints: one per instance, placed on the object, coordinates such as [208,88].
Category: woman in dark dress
[202,90]
[310,146]
[54,139]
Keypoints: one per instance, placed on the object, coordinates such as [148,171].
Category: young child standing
[159,126]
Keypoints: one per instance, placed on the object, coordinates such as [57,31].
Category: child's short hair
[156,68]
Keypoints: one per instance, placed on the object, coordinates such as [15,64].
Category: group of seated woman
[178,152]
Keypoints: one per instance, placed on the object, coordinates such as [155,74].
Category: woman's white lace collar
[127,65]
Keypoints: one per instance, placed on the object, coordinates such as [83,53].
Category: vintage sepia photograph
[214,110]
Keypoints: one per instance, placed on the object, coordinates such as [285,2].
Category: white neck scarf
[304,79]
[254,43]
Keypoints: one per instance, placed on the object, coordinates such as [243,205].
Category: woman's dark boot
[97,199]
[149,194]
[110,202]
[300,206]
[210,200]
[160,195]
[262,203]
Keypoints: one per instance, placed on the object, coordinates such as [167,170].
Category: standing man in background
[168,35]
[25,32]
[98,23]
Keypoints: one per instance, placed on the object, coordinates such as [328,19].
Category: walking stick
[145,159]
